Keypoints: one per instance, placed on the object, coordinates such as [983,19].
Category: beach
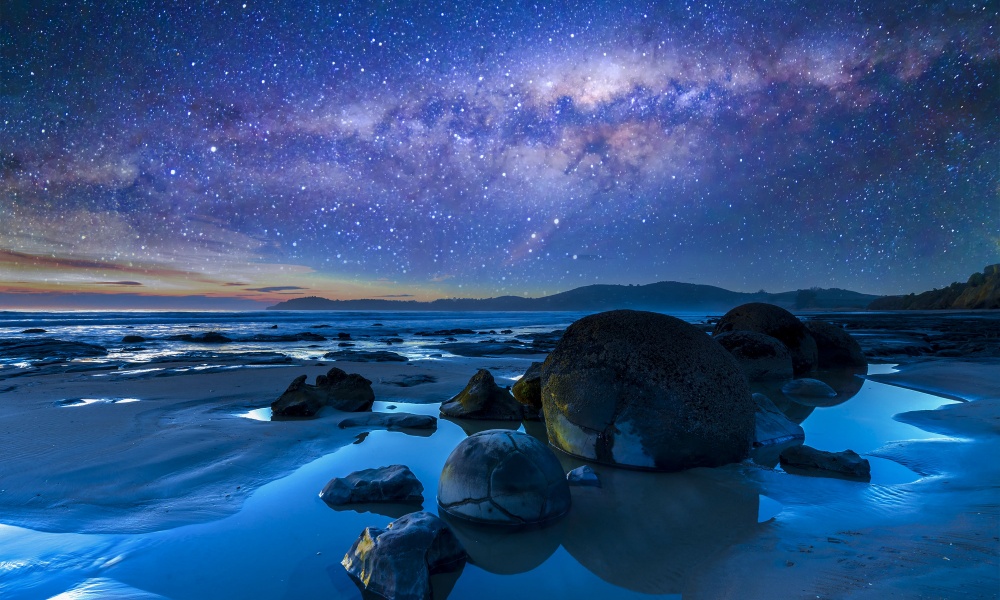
[167,479]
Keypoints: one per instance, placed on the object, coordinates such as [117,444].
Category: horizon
[242,154]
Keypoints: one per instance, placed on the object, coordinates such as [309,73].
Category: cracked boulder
[646,390]
[778,323]
[482,398]
[503,477]
[340,390]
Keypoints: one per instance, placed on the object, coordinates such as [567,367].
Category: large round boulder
[761,356]
[778,323]
[648,391]
[503,477]
[836,347]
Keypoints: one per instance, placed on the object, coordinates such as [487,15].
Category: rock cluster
[337,389]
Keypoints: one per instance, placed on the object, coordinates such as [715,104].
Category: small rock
[808,388]
[133,339]
[34,330]
[397,562]
[343,335]
[392,484]
[361,356]
[772,426]
[482,398]
[847,464]
[391,422]
[583,477]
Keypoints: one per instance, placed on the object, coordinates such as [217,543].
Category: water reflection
[473,426]
[504,551]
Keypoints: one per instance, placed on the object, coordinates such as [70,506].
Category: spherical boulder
[647,391]
[836,347]
[778,323]
[761,356]
[503,477]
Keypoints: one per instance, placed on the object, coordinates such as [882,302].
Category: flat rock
[528,389]
[760,356]
[482,398]
[583,477]
[49,348]
[778,323]
[648,391]
[392,484]
[503,477]
[772,426]
[397,562]
[363,356]
[808,388]
[835,346]
[806,460]
[340,390]
[411,380]
[390,421]
[475,349]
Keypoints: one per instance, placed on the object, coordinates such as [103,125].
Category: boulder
[34,330]
[772,426]
[647,391]
[503,477]
[760,356]
[583,477]
[528,389]
[805,460]
[390,421]
[778,323]
[349,392]
[836,348]
[482,398]
[362,356]
[395,484]
[397,562]
[808,388]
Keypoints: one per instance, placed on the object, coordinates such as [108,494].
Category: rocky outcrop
[482,398]
[337,389]
[772,426]
[648,391]
[397,562]
[760,356]
[835,346]
[390,421]
[778,323]
[392,484]
[528,389]
[503,477]
[805,460]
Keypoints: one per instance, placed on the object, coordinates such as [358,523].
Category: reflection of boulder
[390,421]
[645,390]
[760,356]
[505,478]
[651,532]
[482,398]
[836,347]
[795,412]
[502,550]
[772,426]
[778,323]
[808,389]
[474,426]
[845,382]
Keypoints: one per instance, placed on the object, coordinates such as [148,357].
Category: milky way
[438,149]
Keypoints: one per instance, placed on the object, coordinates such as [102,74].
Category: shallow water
[640,535]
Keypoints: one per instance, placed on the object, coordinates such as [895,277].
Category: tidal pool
[641,535]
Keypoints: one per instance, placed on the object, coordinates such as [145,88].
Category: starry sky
[268,150]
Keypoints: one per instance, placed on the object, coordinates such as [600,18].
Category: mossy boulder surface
[648,391]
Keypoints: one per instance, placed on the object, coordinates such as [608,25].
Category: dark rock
[49,348]
[528,389]
[503,477]
[772,426]
[778,323]
[760,356]
[836,347]
[34,330]
[506,331]
[393,340]
[391,421]
[320,326]
[646,390]
[274,326]
[395,484]
[349,392]
[304,336]
[444,332]
[209,337]
[411,380]
[807,460]
[346,345]
[482,398]
[397,562]
[133,339]
[583,477]
[362,356]
[486,349]
[343,335]
[808,388]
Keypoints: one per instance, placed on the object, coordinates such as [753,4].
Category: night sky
[436,149]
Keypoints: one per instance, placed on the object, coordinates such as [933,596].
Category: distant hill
[982,290]
[665,295]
